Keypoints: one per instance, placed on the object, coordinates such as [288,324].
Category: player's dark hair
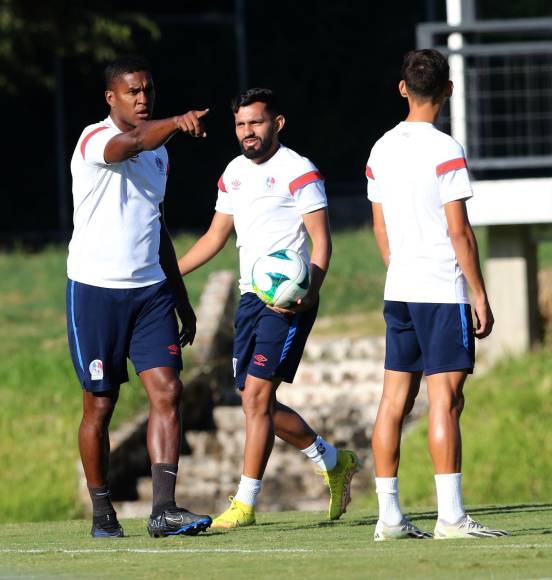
[122,66]
[425,73]
[257,95]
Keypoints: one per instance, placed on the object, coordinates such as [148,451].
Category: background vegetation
[41,401]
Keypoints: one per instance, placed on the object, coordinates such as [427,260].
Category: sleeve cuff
[466,194]
[313,207]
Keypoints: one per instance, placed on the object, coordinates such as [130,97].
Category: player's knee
[255,403]
[450,402]
[394,409]
[168,394]
[98,409]
[460,403]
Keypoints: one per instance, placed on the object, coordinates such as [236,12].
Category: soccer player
[418,184]
[274,199]
[123,289]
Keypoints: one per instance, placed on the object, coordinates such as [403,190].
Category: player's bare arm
[318,228]
[209,245]
[465,247]
[167,259]
[150,135]
[380,231]
[131,97]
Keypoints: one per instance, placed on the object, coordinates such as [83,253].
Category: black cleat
[175,521]
[106,526]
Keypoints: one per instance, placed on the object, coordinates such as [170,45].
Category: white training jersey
[268,201]
[413,171]
[115,242]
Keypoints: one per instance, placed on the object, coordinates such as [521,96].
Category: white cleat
[403,531]
[466,528]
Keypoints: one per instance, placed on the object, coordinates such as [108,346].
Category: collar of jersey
[109,121]
[416,125]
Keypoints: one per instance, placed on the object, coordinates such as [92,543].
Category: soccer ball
[280,278]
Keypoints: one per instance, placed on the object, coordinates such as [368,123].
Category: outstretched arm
[209,245]
[380,231]
[465,247]
[167,259]
[150,135]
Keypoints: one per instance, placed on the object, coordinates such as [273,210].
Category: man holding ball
[274,199]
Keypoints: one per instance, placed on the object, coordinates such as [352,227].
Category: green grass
[41,400]
[293,545]
[507,442]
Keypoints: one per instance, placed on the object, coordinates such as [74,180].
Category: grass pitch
[292,544]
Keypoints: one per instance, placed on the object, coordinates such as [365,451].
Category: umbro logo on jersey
[260,360]
[269,184]
[236,184]
[174,349]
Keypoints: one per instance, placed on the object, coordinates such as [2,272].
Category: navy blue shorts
[106,326]
[268,345]
[434,338]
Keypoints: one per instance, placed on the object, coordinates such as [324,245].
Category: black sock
[163,477]
[101,500]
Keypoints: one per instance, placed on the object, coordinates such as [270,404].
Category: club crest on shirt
[236,184]
[96,370]
[269,183]
[160,164]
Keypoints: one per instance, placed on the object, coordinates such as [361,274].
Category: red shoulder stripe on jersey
[87,138]
[221,185]
[370,173]
[451,165]
[300,182]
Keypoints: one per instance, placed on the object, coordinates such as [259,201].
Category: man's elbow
[461,236]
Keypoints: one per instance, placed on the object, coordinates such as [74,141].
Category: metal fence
[506,89]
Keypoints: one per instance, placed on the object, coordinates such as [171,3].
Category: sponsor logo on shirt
[96,370]
[160,165]
[260,360]
[236,184]
[174,349]
[269,184]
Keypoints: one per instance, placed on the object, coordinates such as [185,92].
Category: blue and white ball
[280,278]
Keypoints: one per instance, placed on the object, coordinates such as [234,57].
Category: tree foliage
[33,34]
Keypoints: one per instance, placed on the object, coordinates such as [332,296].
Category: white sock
[387,489]
[449,497]
[322,453]
[248,490]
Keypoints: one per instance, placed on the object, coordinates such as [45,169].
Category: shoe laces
[470,524]
[234,507]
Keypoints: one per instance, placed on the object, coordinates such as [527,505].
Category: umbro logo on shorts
[174,349]
[260,360]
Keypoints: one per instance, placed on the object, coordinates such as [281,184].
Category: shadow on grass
[514,508]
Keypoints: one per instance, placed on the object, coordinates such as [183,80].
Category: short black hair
[426,73]
[257,95]
[122,66]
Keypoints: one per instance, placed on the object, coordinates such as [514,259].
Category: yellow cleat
[238,515]
[338,480]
